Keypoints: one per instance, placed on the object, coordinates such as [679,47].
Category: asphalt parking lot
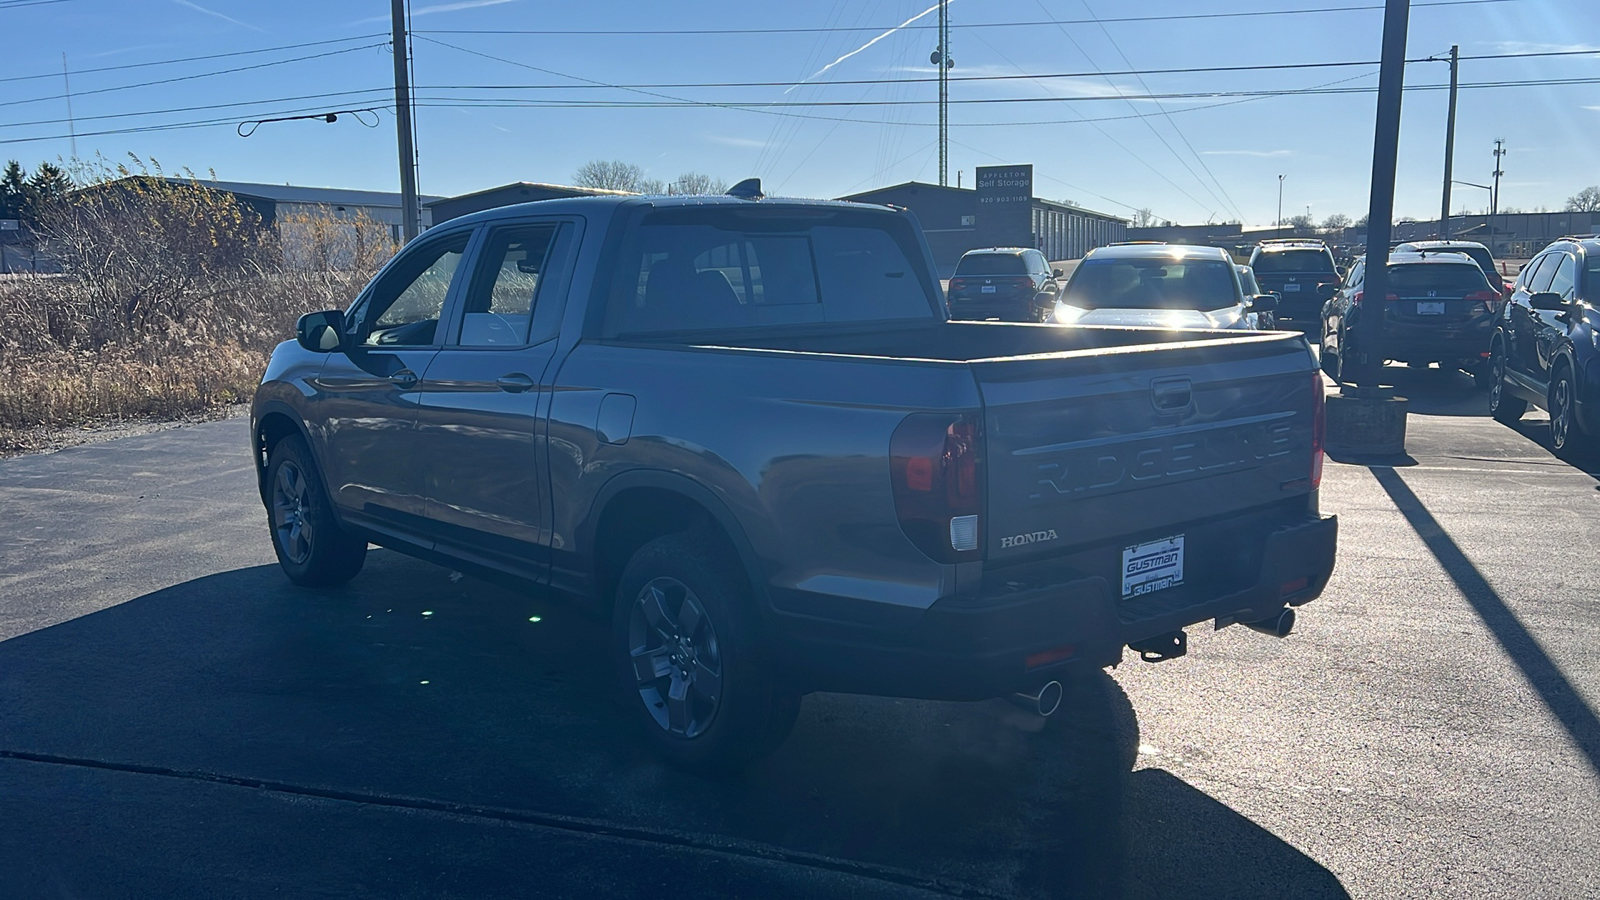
[176,720]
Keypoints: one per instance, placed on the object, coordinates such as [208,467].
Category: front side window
[1543,273]
[1565,280]
[404,307]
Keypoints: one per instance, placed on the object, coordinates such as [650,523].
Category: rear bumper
[972,648]
[1005,309]
[1430,348]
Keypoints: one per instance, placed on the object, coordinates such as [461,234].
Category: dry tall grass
[173,300]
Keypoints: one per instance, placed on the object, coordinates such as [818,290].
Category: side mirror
[1056,273]
[321,332]
[1547,300]
[1262,303]
[1326,291]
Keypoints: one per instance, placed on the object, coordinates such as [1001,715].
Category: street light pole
[1279,227]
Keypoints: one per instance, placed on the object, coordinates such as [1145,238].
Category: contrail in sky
[932,9]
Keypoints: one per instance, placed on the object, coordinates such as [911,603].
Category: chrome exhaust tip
[1044,701]
[1277,626]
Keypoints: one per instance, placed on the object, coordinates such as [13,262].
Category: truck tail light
[1360,294]
[958,284]
[936,470]
[1319,428]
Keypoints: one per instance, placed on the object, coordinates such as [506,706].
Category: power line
[863,28]
[352,95]
[191,77]
[19,4]
[1187,70]
[187,59]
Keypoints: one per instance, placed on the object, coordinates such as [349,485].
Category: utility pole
[1380,213]
[941,57]
[1449,146]
[409,214]
[72,129]
[1494,198]
[1278,227]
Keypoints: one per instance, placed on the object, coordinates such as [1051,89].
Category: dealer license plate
[987,289]
[1152,566]
[1290,288]
[1430,309]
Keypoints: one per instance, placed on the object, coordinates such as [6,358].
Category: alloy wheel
[291,519]
[1561,411]
[677,661]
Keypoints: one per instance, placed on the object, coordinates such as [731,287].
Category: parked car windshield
[991,264]
[1316,261]
[1153,283]
[701,269]
[1456,279]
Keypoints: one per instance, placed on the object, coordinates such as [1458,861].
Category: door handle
[515,383]
[405,379]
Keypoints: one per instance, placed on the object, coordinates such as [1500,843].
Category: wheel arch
[636,507]
[273,421]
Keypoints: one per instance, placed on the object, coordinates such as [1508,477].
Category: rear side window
[1317,262]
[703,269]
[991,264]
[1456,279]
[1591,281]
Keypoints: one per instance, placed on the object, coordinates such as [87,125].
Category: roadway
[175,720]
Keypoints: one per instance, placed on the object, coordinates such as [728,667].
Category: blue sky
[1186,159]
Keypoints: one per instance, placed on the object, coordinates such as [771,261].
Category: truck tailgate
[1128,445]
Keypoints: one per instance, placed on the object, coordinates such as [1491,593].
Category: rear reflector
[1293,587]
[1046,657]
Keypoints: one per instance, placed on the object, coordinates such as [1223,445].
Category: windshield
[991,264]
[1153,283]
[1277,261]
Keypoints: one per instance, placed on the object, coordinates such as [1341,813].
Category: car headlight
[1066,315]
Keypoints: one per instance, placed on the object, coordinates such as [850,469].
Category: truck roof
[609,204]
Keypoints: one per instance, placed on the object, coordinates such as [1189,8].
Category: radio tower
[941,58]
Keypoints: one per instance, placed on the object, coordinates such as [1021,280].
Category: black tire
[312,549]
[684,627]
[1566,435]
[1343,373]
[1505,408]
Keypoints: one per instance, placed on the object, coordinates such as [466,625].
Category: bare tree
[1300,224]
[696,183]
[1143,218]
[1586,200]
[1336,222]
[616,175]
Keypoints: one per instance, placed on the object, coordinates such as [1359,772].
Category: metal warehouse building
[1000,212]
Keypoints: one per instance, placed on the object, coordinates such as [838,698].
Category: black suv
[1440,309]
[1543,349]
[1293,269]
[1479,253]
[1003,283]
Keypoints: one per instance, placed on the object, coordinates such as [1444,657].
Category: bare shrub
[173,296]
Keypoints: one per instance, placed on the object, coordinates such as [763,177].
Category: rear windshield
[991,264]
[1443,277]
[1480,255]
[703,269]
[1153,284]
[1276,261]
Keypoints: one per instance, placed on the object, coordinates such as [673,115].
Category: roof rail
[1298,240]
[1134,243]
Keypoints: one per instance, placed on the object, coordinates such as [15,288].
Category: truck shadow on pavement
[419,690]
[1542,673]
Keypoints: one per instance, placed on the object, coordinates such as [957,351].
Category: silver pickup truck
[748,432]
